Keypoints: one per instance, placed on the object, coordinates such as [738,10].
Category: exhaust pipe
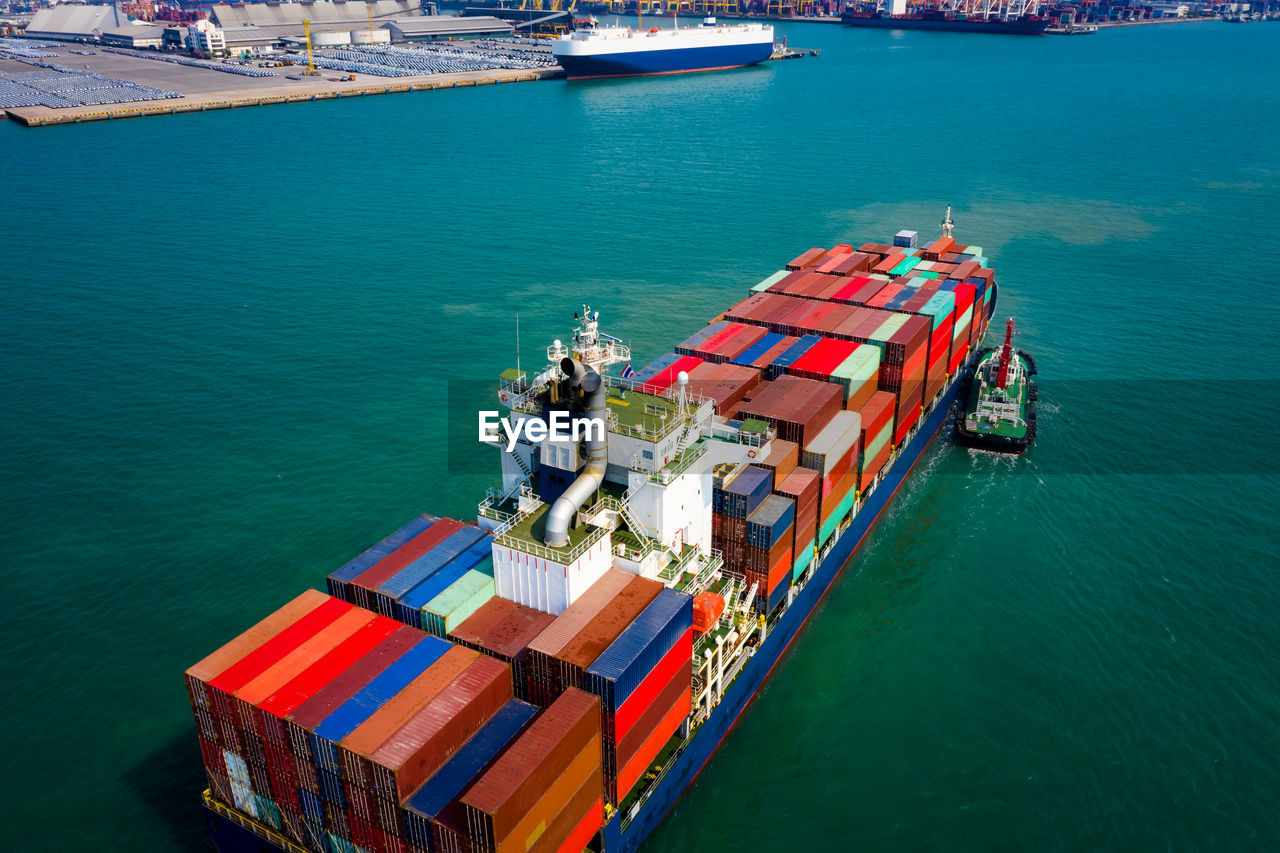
[597,451]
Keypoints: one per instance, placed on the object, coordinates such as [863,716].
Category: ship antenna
[517,343]
[947,224]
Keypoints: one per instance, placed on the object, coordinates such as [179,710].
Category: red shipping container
[872,467]
[392,564]
[678,659]
[630,774]
[806,259]
[435,733]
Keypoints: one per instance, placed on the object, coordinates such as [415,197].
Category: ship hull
[671,61]
[233,837]
[1018,27]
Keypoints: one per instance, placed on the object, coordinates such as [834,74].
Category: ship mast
[946,224]
[1005,354]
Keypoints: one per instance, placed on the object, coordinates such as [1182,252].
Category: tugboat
[1000,402]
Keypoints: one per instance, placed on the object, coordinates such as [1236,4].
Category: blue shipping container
[458,772]
[794,352]
[747,491]
[351,570]
[350,714]
[759,348]
[424,567]
[767,524]
[411,603]
[616,674]
[656,366]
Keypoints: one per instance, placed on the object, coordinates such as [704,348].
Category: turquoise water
[227,338]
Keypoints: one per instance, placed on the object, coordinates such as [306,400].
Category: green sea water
[226,342]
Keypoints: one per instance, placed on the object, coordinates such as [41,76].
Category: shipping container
[806,259]
[767,524]
[542,668]
[408,606]
[770,281]
[543,755]
[782,458]
[386,595]
[618,672]
[362,586]
[602,630]
[459,601]
[440,727]
[338,580]
[742,496]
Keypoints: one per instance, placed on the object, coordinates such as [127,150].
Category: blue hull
[664,61]
[230,838]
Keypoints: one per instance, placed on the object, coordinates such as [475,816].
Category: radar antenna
[947,224]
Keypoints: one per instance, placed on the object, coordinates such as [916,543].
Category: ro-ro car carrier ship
[553,676]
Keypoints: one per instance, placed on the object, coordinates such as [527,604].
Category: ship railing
[562,556]
[251,825]
[488,508]
[680,464]
[654,785]
[517,517]
[715,559]
[674,570]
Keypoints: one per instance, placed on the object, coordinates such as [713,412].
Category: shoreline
[231,99]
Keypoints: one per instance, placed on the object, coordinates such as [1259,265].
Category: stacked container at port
[645,683]
[559,655]
[325,721]
[504,629]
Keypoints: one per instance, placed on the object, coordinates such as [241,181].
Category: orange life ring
[751,454]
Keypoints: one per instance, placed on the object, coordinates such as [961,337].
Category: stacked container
[804,487]
[733,500]
[877,427]
[645,684]
[545,793]
[503,629]
[770,551]
[559,656]
[724,384]
[854,367]
[796,407]
[325,719]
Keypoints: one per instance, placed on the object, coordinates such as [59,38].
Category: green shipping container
[268,811]
[893,324]
[930,275]
[465,596]
[906,266]
[341,845]
[842,509]
[860,366]
[806,557]
[771,281]
[878,443]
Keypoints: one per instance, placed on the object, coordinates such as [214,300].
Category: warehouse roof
[448,25]
[319,12]
[76,21]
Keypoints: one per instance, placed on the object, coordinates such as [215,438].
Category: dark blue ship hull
[229,837]
[650,62]
[938,23]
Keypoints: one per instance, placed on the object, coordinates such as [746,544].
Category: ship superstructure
[553,675]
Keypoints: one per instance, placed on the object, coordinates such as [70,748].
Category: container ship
[964,16]
[552,675]
[595,51]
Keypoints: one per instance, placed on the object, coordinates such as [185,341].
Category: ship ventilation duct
[597,453]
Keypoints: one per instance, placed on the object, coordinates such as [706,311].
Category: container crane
[311,62]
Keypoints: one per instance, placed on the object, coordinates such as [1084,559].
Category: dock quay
[286,91]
